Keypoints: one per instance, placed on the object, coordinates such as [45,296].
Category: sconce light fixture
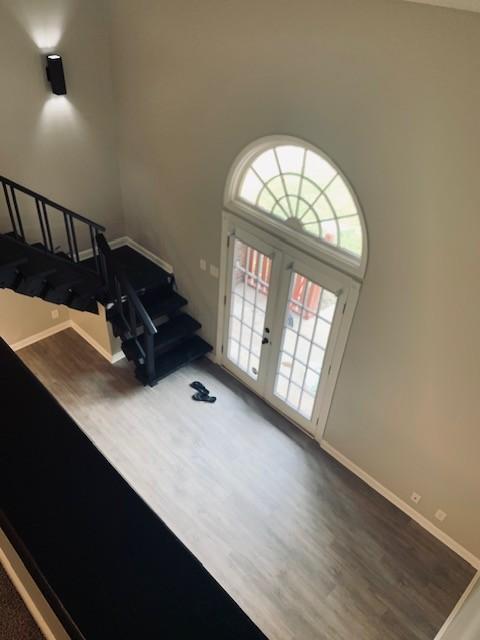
[55,74]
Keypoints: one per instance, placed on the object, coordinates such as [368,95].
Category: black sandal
[199,387]
[203,397]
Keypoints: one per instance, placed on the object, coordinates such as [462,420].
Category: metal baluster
[133,318]
[17,212]
[9,207]
[69,239]
[94,248]
[150,357]
[47,226]
[118,300]
[105,274]
[74,239]
[40,219]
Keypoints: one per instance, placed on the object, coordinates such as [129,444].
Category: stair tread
[142,273]
[11,255]
[168,334]
[156,305]
[64,278]
[169,361]
[38,264]
[60,254]
[49,276]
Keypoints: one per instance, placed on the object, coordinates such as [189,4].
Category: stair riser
[9,279]
[135,356]
[59,296]
[82,304]
[194,348]
[32,271]
[32,287]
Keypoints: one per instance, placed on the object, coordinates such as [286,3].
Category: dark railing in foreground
[128,305]
[44,208]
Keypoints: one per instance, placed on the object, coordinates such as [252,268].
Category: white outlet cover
[214,272]
[415,497]
[440,515]
[55,314]
[203,264]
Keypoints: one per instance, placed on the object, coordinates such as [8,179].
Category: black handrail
[121,293]
[10,189]
[51,203]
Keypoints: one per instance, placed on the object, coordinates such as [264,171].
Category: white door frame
[253,241]
[348,298]
[331,281]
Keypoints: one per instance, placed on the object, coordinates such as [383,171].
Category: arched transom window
[300,187]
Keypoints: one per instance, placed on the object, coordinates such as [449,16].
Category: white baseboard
[116,357]
[68,324]
[458,607]
[114,244]
[403,506]
[129,242]
[149,255]
[212,356]
[31,595]
[40,336]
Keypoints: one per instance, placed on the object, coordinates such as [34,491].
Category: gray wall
[466,626]
[391,91]
[63,147]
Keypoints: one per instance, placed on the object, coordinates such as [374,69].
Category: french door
[284,324]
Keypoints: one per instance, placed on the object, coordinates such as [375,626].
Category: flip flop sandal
[203,397]
[199,387]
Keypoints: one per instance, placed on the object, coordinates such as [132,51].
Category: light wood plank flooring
[307,550]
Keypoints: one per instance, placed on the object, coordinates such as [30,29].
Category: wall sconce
[55,74]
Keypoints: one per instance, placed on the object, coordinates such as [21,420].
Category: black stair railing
[44,207]
[133,315]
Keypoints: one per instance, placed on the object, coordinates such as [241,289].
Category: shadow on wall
[60,146]
[49,24]
[46,25]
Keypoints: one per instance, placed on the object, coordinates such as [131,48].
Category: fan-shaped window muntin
[306,192]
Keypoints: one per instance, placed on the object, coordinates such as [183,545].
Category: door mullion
[302,309]
[254,312]
[311,347]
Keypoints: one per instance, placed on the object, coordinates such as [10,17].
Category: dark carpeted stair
[142,304]
[166,363]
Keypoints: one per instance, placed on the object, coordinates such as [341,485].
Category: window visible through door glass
[250,285]
[306,330]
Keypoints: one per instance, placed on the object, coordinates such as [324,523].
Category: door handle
[265,339]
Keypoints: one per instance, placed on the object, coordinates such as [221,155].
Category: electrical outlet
[415,497]
[203,264]
[55,314]
[214,271]
[440,515]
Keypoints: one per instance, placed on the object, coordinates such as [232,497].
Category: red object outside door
[310,298]
[260,266]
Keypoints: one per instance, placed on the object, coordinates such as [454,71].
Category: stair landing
[142,272]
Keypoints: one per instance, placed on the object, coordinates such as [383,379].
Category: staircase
[40,257]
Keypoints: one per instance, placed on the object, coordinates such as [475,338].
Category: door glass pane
[306,330]
[248,304]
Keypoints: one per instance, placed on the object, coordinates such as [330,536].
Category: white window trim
[318,248]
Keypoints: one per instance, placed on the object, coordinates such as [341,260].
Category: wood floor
[307,550]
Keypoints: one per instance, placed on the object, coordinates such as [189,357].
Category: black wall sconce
[55,74]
